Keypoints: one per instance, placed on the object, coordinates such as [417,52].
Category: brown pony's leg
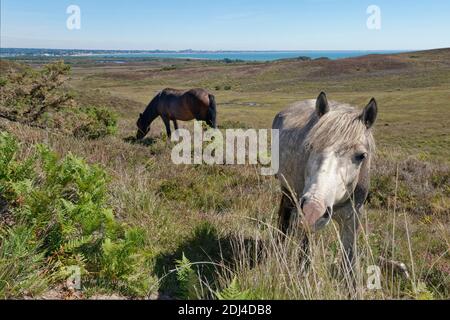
[175,124]
[167,124]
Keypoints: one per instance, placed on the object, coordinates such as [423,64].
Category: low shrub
[410,185]
[61,209]
[169,68]
[23,269]
[99,122]
[39,98]
[230,124]
[27,95]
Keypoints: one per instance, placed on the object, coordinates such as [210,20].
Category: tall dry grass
[226,227]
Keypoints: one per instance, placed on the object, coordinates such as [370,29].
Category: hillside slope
[220,217]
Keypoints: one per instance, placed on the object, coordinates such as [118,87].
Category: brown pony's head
[143,125]
[146,118]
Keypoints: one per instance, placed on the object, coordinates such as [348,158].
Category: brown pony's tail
[212,112]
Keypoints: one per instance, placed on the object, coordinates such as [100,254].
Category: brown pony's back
[184,105]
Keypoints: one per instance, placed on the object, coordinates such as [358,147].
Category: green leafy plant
[22,266]
[27,95]
[63,205]
[188,281]
[39,98]
[234,292]
[98,122]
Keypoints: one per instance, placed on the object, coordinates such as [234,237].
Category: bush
[63,205]
[412,185]
[27,95]
[39,98]
[99,122]
[228,61]
[230,124]
[169,68]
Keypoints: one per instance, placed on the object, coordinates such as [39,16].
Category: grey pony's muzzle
[323,221]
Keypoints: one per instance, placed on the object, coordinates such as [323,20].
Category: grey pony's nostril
[302,203]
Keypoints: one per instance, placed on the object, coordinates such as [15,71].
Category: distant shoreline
[248,55]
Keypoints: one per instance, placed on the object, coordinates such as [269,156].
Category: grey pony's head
[339,148]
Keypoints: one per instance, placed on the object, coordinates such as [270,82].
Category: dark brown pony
[173,105]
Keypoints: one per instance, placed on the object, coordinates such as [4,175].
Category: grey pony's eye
[360,157]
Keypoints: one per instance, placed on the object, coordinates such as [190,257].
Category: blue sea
[188,54]
[250,55]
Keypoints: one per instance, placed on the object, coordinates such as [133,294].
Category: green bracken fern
[61,206]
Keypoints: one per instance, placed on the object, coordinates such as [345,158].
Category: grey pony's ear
[322,106]
[369,114]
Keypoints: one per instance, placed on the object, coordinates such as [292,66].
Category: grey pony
[326,149]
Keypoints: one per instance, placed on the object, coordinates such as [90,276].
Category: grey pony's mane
[340,129]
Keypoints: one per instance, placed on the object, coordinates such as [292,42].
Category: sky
[226,25]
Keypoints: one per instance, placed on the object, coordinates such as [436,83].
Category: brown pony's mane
[340,129]
[150,111]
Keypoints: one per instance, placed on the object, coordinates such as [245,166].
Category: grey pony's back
[299,113]
[295,116]
[293,125]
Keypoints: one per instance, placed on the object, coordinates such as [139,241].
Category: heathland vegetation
[76,189]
